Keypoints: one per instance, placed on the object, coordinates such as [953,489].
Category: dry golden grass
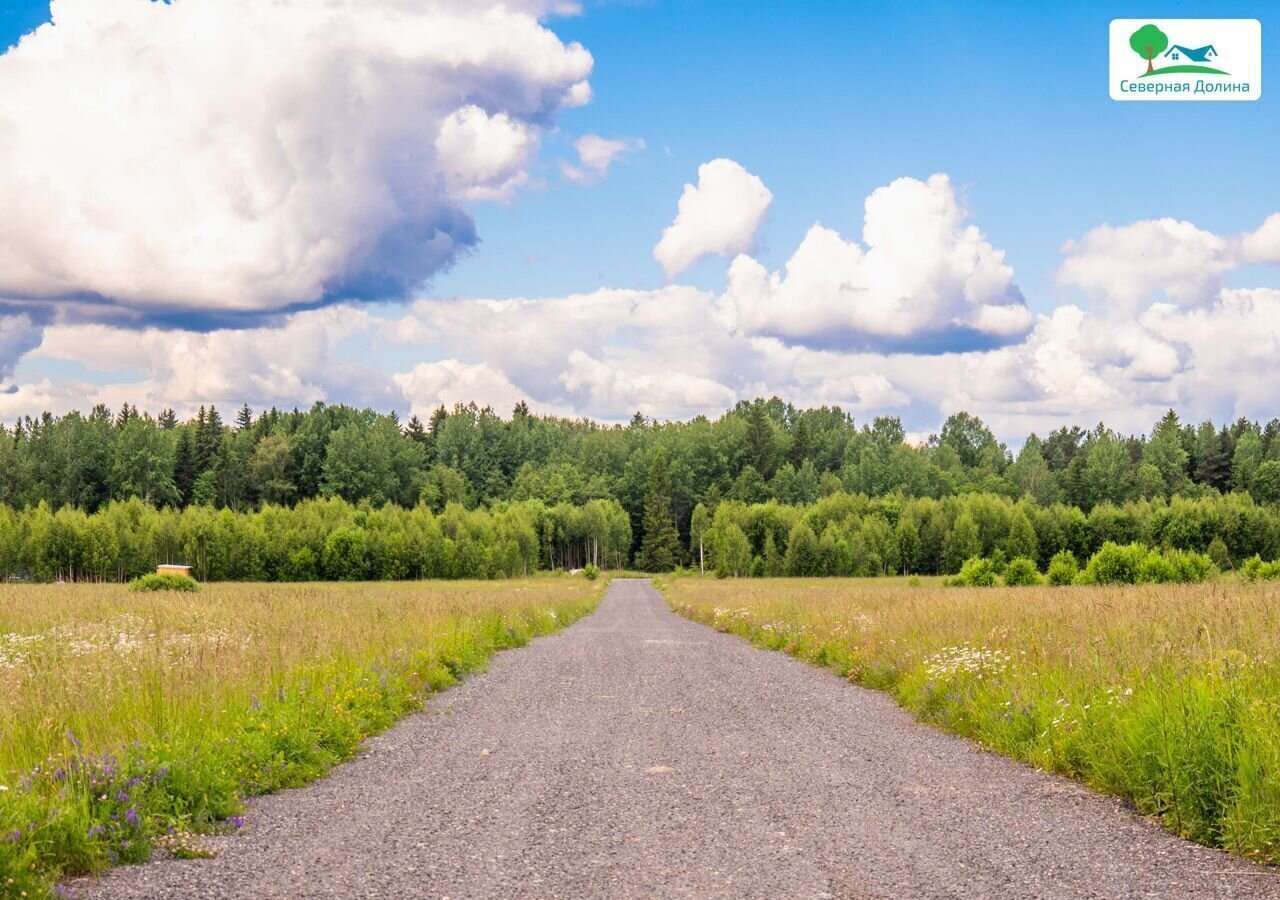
[1168,695]
[134,719]
[111,666]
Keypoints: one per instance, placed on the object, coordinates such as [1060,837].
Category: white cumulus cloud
[241,156]
[1131,264]
[924,277]
[429,385]
[718,216]
[484,157]
[294,363]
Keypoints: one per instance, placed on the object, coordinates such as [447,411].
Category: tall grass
[130,719]
[1167,695]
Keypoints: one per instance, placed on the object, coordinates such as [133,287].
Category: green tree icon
[1149,42]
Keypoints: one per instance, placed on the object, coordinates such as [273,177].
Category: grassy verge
[1166,695]
[130,721]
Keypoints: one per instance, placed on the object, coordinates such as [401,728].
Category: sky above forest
[611,207]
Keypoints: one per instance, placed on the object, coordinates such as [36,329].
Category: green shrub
[1191,567]
[1135,564]
[1063,568]
[914,581]
[977,571]
[1115,564]
[1217,551]
[998,561]
[1156,568]
[302,565]
[591,573]
[155,582]
[1254,569]
[1021,572]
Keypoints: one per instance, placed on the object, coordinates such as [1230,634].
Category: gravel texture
[638,754]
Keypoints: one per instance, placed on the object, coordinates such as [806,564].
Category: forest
[338,492]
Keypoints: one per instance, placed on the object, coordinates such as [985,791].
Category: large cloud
[678,351]
[719,216]
[242,156]
[292,364]
[1130,266]
[669,353]
[925,281]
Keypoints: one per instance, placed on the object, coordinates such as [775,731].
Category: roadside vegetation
[1162,694]
[131,721]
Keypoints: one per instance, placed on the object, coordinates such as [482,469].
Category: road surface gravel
[638,754]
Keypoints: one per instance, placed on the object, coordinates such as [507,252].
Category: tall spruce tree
[415,431]
[184,466]
[208,439]
[761,445]
[660,546]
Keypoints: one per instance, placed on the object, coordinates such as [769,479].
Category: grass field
[1167,695]
[130,720]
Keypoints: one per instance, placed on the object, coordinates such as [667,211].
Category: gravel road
[638,754]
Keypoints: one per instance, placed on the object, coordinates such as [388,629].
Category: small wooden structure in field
[167,569]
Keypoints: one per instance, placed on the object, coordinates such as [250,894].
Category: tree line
[320,539]
[855,535]
[658,473]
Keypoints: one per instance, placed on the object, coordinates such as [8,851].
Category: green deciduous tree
[1149,42]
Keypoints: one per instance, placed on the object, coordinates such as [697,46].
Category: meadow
[1166,695]
[131,721]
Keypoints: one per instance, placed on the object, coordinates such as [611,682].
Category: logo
[1186,59]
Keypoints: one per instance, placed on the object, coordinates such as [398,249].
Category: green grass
[1184,70]
[134,720]
[1166,695]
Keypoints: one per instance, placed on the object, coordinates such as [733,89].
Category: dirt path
[641,755]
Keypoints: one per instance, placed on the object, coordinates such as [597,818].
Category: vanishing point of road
[637,754]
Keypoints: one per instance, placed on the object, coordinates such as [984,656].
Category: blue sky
[827,100]
[824,102]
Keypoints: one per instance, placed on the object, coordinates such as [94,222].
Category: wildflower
[966,660]
[131,816]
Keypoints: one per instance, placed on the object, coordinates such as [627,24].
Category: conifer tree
[660,546]
[184,466]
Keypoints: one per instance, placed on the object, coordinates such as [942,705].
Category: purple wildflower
[131,816]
